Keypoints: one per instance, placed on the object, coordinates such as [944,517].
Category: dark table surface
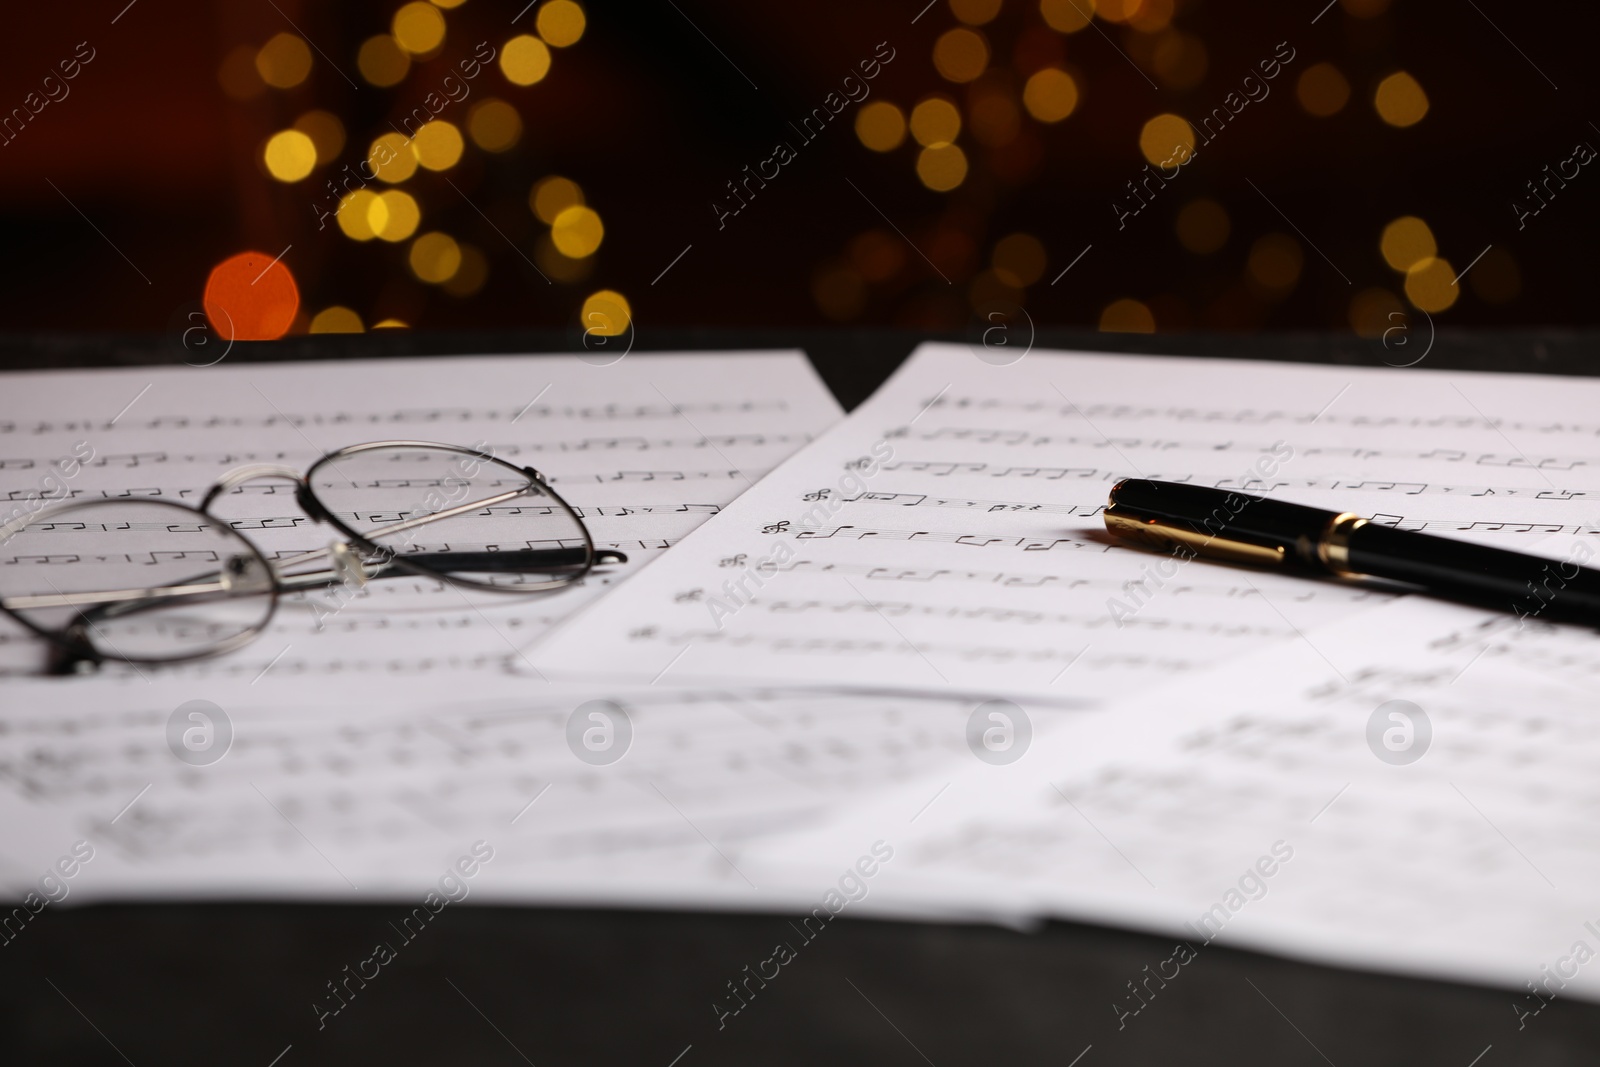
[173,984]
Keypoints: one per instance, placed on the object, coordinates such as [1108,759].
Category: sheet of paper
[295,791]
[645,449]
[948,534]
[1412,789]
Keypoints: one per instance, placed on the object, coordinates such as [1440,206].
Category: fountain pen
[1197,520]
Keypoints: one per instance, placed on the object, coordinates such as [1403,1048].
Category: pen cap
[1217,522]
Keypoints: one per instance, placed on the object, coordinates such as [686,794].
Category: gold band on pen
[1333,547]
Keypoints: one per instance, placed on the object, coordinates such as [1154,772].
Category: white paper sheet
[1466,850]
[948,534]
[645,449]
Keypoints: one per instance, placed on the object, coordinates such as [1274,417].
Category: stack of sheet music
[887,663]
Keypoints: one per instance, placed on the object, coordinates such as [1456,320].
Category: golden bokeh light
[438,145]
[289,155]
[560,23]
[1152,16]
[394,215]
[1127,316]
[284,61]
[336,319]
[553,195]
[1322,90]
[881,126]
[935,121]
[606,314]
[382,62]
[238,75]
[1374,311]
[434,258]
[1400,100]
[1203,226]
[392,158]
[1365,9]
[325,131]
[448,4]
[525,60]
[392,324]
[418,28]
[558,267]
[1406,242]
[1067,16]
[1275,263]
[942,167]
[1180,59]
[577,231]
[1050,95]
[355,214]
[975,12]
[1118,10]
[1019,259]
[960,55]
[1430,285]
[1167,140]
[471,276]
[495,126]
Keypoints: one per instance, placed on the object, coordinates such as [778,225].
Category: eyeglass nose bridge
[240,475]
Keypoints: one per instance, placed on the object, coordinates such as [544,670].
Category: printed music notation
[412,417]
[1028,544]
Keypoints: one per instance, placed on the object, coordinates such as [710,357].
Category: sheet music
[321,795]
[948,534]
[645,450]
[1457,842]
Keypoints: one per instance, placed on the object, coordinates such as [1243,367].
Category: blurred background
[1123,165]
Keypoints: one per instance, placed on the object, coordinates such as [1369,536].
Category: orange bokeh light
[251,297]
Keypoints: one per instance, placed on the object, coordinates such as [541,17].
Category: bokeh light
[560,23]
[1430,285]
[1167,140]
[251,297]
[418,28]
[289,155]
[382,62]
[238,75]
[1180,59]
[553,195]
[1496,279]
[325,131]
[1322,90]
[975,12]
[1067,16]
[434,258]
[877,255]
[1274,264]
[1151,16]
[1127,316]
[1050,95]
[1117,10]
[392,324]
[577,231]
[1374,311]
[391,157]
[494,125]
[438,145]
[284,61]
[994,115]
[525,60]
[881,126]
[1400,100]
[558,266]
[839,292]
[336,319]
[472,274]
[606,314]
[1019,259]
[355,214]
[1406,242]
[960,55]
[942,167]
[394,215]
[1203,226]
[935,121]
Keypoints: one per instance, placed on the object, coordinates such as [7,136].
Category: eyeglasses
[156,581]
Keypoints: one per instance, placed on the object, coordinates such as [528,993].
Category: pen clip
[1183,541]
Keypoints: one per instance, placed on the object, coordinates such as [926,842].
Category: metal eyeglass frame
[80,652]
